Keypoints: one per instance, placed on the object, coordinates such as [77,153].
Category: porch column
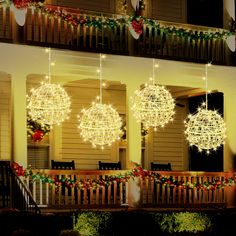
[133,146]
[19,152]
[133,128]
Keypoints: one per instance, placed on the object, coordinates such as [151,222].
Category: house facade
[24,66]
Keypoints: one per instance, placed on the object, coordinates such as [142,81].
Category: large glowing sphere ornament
[49,104]
[153,105]
[205,129]
[100,125]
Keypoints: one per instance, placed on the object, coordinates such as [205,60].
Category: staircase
[19,212]
[14,194]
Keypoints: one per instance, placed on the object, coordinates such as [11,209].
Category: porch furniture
[160,190]
[63,165]
[160,167]
[109,165]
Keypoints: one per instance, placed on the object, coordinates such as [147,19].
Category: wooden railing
[153,193]
[158,194]
[50,195]
[14,193]
[44,30]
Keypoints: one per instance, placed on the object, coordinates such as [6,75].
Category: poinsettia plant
[37,130]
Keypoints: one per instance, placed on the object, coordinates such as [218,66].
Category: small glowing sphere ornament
[153,105]
[205,129]
[100,124]
[49,104]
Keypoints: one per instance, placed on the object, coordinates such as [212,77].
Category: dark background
[205,12]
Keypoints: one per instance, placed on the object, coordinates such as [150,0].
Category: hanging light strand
[206,128]
[153,71]
[153,105]
[100,77]
[49,65]
[100,124]
[206,83]
[49,104]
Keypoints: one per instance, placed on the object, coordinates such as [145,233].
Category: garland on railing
[137,171]
[136,21]
[22,3]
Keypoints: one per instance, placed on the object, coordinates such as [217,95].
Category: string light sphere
[100,125]
[49,104]
[153,105]
[205,129]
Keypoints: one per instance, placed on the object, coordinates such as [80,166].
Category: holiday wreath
[37,130]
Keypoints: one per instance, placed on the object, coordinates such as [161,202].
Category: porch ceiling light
[205,129]
[49,103]
[153,105]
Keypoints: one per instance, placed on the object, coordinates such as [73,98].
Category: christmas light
[153,105]
[49,104]
[100,124]
[206,128]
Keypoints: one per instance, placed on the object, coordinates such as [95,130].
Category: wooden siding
[169,144]
[5,117]
[168,10]
[72,147]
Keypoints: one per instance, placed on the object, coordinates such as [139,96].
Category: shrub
[92,223]
[183,222]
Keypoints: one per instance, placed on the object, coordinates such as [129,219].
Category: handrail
[21,197]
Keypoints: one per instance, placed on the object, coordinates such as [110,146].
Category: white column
[133,128]
[19,148]
[133,147]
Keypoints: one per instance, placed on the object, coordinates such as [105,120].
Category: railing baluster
[41,192]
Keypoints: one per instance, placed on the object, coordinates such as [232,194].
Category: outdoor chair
[109,165]
[160,167]
[63,165]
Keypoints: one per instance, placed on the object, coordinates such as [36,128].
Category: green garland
[137,171]
[111,23]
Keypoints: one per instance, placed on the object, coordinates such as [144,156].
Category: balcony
[99,32]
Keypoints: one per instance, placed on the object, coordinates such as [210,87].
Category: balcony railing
[43,29]
[117,193]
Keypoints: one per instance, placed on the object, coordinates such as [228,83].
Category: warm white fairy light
[206,128]
[49,103]
[100,124]
[153,105]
